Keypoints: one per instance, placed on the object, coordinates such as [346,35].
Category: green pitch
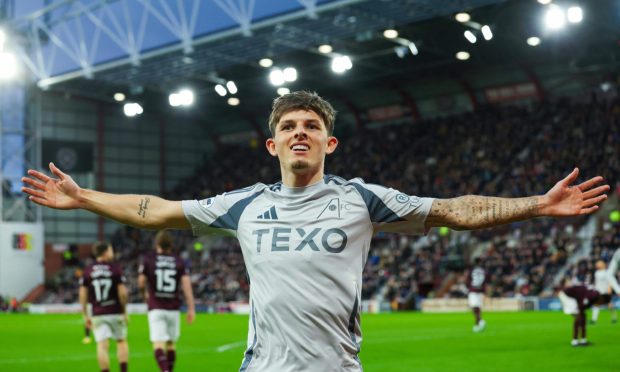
[529,341]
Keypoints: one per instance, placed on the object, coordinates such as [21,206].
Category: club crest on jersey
[206,203]
[333,209]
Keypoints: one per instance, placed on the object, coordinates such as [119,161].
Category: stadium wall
[21,258]
[147,154]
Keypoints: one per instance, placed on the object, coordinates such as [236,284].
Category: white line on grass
[234,345]
[89,356]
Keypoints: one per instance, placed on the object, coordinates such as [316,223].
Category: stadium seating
[502,151]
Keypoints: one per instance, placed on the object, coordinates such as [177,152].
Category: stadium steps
[445,285]
[587,232]
[34,294]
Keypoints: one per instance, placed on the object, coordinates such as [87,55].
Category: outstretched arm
[478,212]
[143,211]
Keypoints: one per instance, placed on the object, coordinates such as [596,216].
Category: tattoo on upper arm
[144,205]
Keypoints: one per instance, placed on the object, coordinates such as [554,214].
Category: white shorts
[109,326]
[569,304]
[475,299]
[164,325]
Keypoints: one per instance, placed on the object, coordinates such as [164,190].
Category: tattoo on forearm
[144,205]
[475,212]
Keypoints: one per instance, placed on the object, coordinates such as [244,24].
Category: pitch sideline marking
[219,349]
[234,345]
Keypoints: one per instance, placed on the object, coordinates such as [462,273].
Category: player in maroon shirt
[160,275]
[582,298]
[102,285]
[476,282]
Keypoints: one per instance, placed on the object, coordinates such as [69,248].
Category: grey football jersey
[304,250]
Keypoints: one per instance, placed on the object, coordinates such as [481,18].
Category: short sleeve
[391,210]
[142,268]
[85,279]
[119,277]
[221,213]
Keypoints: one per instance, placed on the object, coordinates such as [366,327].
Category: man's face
[300,141]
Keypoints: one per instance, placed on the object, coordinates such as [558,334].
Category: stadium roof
[148,48]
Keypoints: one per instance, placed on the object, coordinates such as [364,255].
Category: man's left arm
[472,212]
[83,298]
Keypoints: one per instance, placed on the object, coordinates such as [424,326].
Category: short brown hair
[99,248]
[302,100]
[163,240]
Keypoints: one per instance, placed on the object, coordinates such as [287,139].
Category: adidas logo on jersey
[269,214]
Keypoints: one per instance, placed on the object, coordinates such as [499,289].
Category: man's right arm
[142,286]
[145,211]
[142,211]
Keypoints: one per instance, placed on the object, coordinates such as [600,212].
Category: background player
[476,281]
[601,284]
[303,249]
[161,273]
[576,299]
[612,271]
[103,286]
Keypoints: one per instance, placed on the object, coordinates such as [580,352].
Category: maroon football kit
[102,280]
[163,273]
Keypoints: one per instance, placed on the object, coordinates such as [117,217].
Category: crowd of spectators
[501,151]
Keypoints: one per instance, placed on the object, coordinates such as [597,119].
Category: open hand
[58,193]
[566,200]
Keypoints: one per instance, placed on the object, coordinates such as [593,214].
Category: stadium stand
[507,151]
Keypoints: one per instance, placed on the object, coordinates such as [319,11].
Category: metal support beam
[359,122]
[162,156]
[100,164]
[540,91]
[470,94]
[413,107]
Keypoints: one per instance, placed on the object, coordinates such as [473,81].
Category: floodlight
[390,33]
[265,62]
[283,90]
[462,17]
[276,77]
[463,56]
[234,101]
[8,66]
[174,99]
[132,109]
[470,37]
[187,97]
[486,32]
[554,18]
[119,97]
[232,87]
[533,41]
[341,64]
[325,49]
[412,48]
[290,74]
[184,97]
[574,14]
[219,89]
